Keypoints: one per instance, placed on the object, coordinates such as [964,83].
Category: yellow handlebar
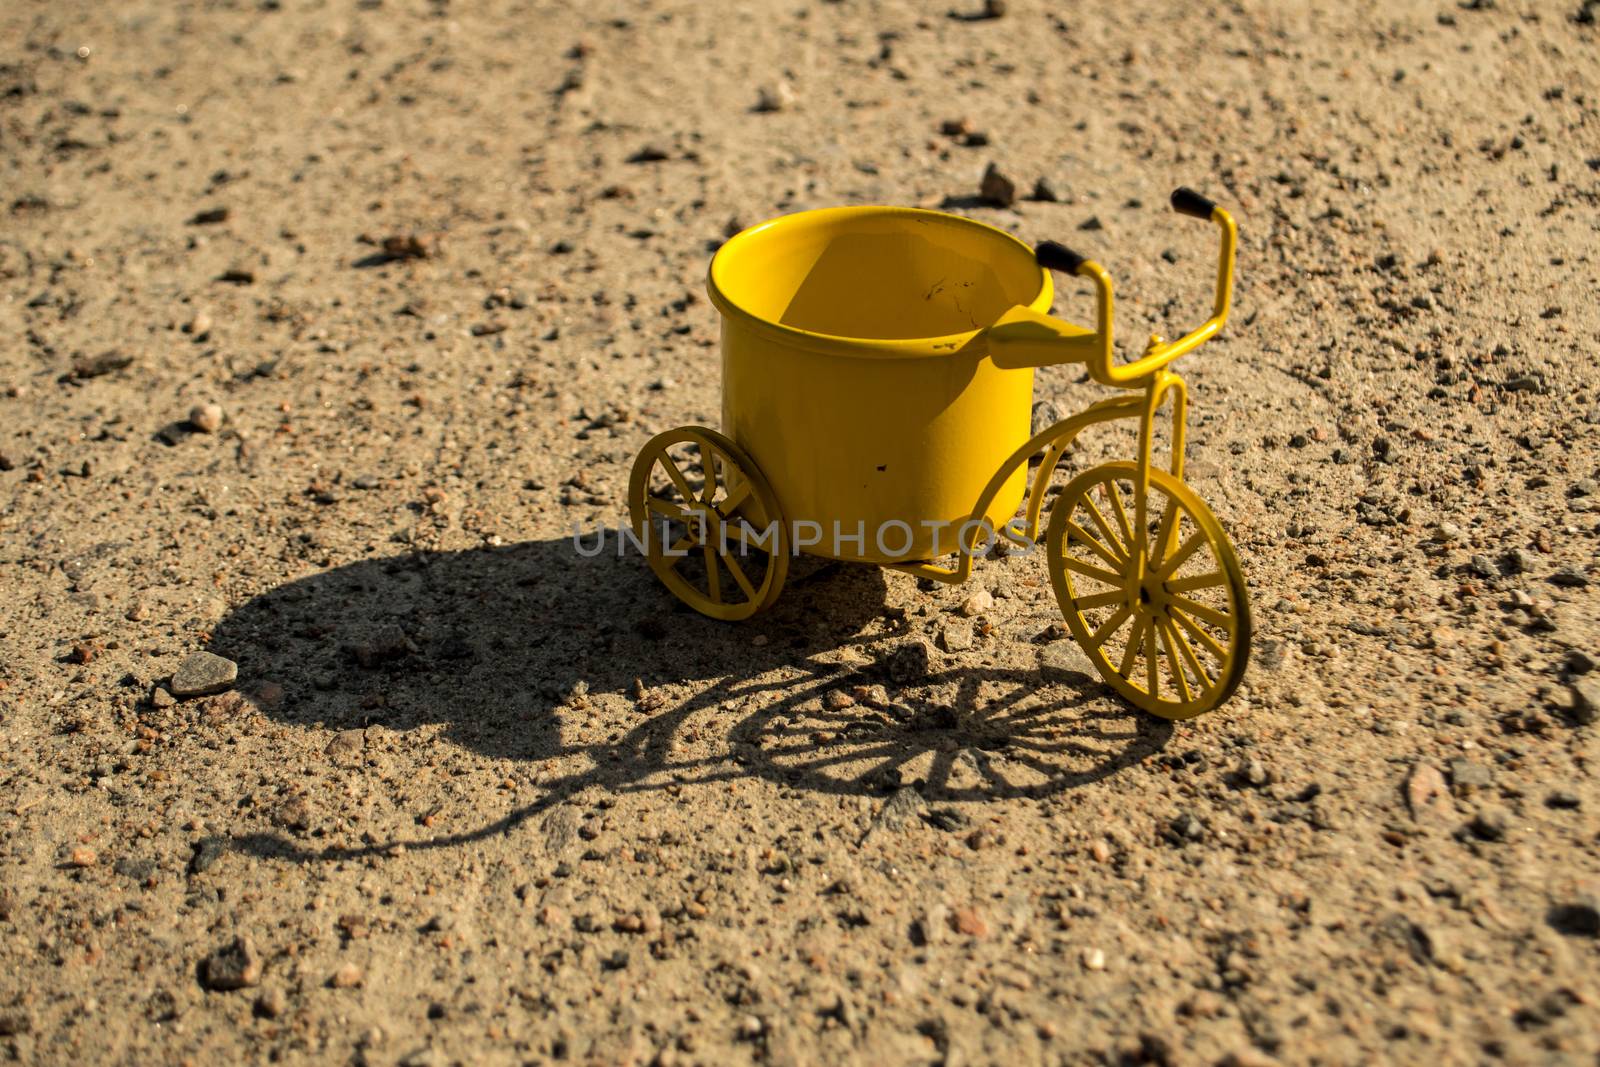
[1023,338]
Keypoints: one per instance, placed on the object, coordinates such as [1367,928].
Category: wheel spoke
[1089,570]
[1204,638]
[1120,511]
[1117,548]
[1110,626]
[677,477]
[1172,662]
[1100,600]
[739,575]
[1190,547]
[750,537]
[669,509]
[1152,661]
[735,497]
[1195,582]
[708,463]
[684,543]
[1189,657]
[1130,654]
[1077,534]
[713,579]
[1206,614]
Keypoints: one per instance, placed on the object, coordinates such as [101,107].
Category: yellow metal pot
[856,373]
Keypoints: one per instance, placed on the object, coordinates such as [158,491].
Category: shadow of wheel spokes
[962,734]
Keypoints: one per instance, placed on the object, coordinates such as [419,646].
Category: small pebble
[968,922]
[776,97]
[1427,795]
[1252,773]
[1585,700]
[234,966]
[345,749]
[978,603]
[1490,823]
[1094,960]
[271,1003]
[207,418]
[996,188]
[348,976]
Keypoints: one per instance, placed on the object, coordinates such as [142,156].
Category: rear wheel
[1162,612]
[709,523]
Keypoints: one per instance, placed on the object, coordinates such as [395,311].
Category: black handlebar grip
[1052,256]
[1185,201]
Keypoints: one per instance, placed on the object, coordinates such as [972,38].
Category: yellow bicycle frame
[1023,337]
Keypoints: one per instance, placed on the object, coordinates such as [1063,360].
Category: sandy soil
[475,799]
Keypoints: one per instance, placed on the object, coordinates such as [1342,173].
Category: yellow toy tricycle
[877,377]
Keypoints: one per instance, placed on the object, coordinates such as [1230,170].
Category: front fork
[1161,383]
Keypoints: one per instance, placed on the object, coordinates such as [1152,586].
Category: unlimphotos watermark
[892,539]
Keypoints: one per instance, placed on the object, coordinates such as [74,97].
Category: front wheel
[1162,612]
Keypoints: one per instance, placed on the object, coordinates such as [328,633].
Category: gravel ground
[328,321]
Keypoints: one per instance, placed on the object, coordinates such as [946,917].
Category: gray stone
[1270,653]
[1517,561]
[1585,700]
[901,809]
[560,827]
[1045,415]
[346,747]
[1569,577]
[910,662]
[207,851]
[996,188]
[1468,777]
[202,673]
[236,965]
[1067,658]
[139,870]
[957,635]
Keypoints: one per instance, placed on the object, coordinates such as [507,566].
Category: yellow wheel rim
[1163,613]
[708,522]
